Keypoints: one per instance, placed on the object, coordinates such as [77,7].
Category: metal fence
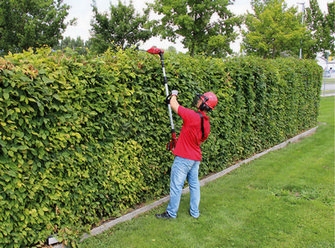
[328,86]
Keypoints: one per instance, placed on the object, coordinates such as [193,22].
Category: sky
[82,10]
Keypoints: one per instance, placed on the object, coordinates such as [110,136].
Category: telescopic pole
[167,91]
[160,52]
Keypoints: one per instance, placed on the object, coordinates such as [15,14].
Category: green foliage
[283,199]
[322,26]
[77,45]
[315,20]
[34,23]
[205,27]
[83,138]
[275,30]
[123,28]
[330,21]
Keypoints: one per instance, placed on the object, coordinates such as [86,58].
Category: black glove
[167,99]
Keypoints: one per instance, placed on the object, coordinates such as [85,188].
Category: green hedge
[83,138]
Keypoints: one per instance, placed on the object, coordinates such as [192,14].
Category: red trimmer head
[172,143]
[155,50]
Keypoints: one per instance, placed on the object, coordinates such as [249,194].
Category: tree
[274,30]
[31,23]
[172,49]
[321,25]
[122,28]
[203,26]
[331,22]
[74,44]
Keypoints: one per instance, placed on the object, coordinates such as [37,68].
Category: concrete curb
[131,215]
[328,94]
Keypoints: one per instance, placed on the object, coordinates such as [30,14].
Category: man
[194,131]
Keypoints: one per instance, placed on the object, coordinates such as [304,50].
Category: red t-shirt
[190,137]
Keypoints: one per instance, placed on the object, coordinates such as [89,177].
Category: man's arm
[174,103]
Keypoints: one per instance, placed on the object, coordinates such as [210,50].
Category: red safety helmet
[209,99]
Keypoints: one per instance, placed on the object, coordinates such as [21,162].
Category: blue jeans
[181,170]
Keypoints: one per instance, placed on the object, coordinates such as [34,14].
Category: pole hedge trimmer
[172,143]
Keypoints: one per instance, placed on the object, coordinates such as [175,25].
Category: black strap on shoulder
[202,125]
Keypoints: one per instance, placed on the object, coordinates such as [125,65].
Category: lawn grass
[328,86]
[328,80]
[283,199]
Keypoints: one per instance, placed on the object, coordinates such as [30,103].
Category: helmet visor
[198,97]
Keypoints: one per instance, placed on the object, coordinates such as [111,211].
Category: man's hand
[168,98]
[174,93]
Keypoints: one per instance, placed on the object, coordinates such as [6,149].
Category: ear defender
[203,106]
[210,100]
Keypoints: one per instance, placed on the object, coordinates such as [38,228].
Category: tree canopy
[31,24]
[78,45]
[206,27]
[322,26]
[331,23]
[122,27]
[275,30]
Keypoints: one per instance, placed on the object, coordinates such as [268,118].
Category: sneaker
[164,215]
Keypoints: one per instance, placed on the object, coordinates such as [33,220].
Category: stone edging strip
[131,215]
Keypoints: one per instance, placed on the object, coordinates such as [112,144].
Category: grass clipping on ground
[283,199]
